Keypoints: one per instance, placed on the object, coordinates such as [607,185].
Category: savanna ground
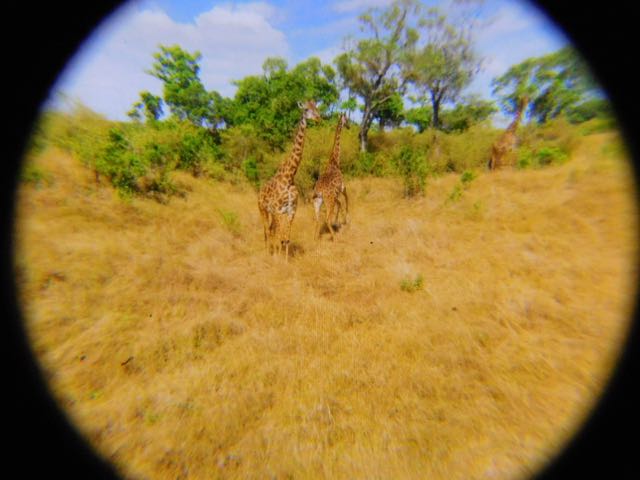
[464,334]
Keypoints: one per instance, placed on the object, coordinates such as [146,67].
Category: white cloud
[508,19]
[357,5]
[108,73]
[327,55]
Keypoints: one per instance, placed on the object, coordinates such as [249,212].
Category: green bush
[231,221]
[35,175]
[412,285]
[459,188]
[413,168]
[542,157]
[250,167]
[598,125]
[120,164]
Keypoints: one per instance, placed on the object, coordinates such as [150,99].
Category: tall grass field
[465,333]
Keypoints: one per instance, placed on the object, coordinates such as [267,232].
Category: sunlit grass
[433,339]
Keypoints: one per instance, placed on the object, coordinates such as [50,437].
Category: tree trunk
[435,105]
[363,139]
[364,129]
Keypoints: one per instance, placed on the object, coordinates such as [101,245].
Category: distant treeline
[405,78]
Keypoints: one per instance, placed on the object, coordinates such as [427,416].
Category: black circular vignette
[42,38]
[606,445]
[45,36]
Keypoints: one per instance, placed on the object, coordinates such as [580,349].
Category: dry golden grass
[181,350]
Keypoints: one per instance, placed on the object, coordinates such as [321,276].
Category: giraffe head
[344,121]
[309,110]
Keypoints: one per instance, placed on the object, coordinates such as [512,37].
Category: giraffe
[278,198]
[331,185]
[506,143]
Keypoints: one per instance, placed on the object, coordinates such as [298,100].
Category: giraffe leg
[330,209]
[288,233]
[317,204]
[346,206]
[276,228]
[264,215]
[337,208]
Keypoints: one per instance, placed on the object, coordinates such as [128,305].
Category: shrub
[250,168]
[35,175]
[470,149]
[458,189]
[409,285]
[119,163]
[230,221]
[542,157]
[555,133]
[413,168]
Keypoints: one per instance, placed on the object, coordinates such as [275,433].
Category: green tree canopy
[149,107]
[420,117]
[446,63]
[469,112]
[183,90]
[269,102]
[564,81]
[377,67]
[546,86]
[391,112]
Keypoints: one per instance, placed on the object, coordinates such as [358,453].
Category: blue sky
[234,38]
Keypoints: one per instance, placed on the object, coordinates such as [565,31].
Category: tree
[546,86]
[391,112]
[446,63]
[183,91]
[378,67]
[594,108]
[564,81]
[349,105]
[149,106]
[472,111]
[420,117]
[517,87]
[269,102]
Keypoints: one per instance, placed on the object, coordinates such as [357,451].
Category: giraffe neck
[335,153]
[290,166]
[516,121]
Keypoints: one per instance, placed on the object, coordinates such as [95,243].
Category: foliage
[377,67]
[564,80]
[81,132]
[464,115]
[35,175]
[183,90]
[590,109]
[463,184]
[557,132]
[460,151]
[231,221]
[546,86]
[149,107]
[420,117]
[549,144]
[541,157]
[412,285]
[269,102]
[391,112]
[446,63]
[413,169]
[120,164]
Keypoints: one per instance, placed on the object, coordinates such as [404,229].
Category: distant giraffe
[278,198]
[330,185]
[507,141]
